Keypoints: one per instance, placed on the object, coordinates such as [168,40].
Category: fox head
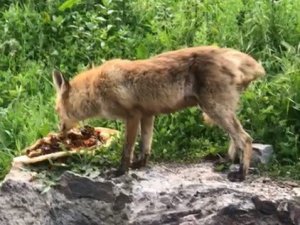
[63,89]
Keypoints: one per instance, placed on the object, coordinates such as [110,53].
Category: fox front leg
[132,125]
[147,123]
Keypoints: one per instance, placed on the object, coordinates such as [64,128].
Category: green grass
[37,37]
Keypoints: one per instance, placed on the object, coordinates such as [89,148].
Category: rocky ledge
[160,194]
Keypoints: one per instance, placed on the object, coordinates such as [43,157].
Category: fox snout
[65,127]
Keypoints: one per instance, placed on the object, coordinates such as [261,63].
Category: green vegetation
[38,36]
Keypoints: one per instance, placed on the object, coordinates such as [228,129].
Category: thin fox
[137,91]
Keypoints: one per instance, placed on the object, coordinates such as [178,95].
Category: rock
[297,191]
[234,167]
[188,220]
[163,195]
[264,207]
[261,153]
[294,212]
[77,187]
[74,200]
[291,184]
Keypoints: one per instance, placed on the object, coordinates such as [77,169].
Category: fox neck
[80,106]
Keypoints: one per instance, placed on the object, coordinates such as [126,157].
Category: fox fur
[138,90]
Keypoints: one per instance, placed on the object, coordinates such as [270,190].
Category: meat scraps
[87,137]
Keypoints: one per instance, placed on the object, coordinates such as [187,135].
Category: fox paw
[119,172]
[236,176]
[138,164]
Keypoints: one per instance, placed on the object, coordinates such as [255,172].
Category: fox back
[162,84]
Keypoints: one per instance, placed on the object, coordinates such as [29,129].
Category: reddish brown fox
[135,91]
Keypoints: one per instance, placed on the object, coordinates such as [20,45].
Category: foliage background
[37,36]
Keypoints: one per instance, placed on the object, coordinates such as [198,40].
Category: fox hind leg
[240,139]
[232,150]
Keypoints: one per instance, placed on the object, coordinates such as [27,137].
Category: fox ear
[61,84]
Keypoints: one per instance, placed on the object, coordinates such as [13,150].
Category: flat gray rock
[163,194]
[262,153]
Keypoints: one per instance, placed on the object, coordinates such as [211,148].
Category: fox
[136,91]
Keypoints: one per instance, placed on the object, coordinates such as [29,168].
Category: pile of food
[87,137]
[56,145]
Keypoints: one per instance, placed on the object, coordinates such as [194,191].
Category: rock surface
[162,194]
[262,154]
